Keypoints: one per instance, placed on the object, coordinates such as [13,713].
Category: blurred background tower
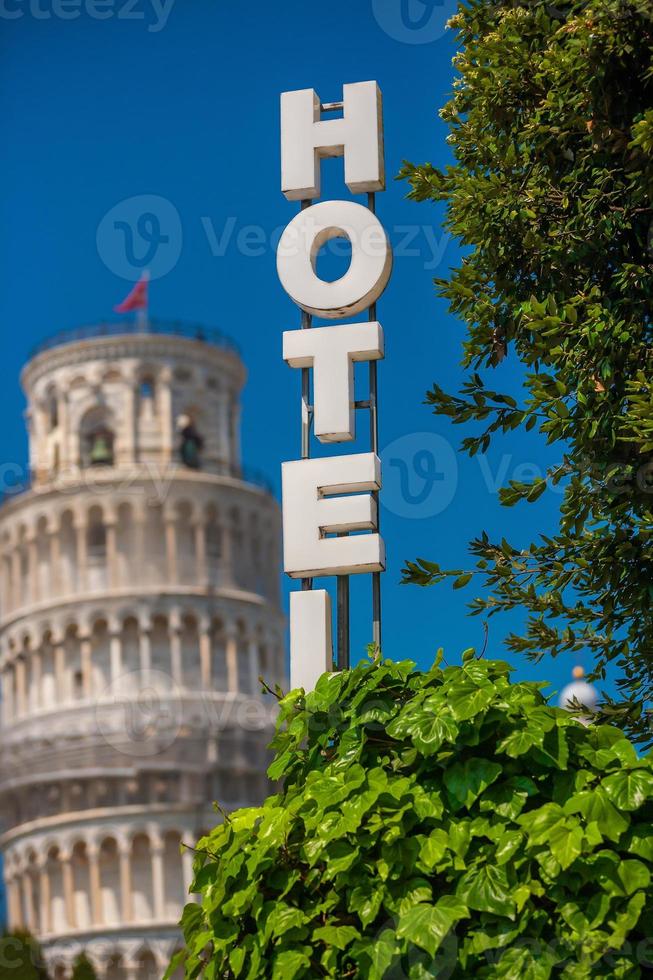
[139,591]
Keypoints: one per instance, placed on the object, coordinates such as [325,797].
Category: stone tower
[139,603]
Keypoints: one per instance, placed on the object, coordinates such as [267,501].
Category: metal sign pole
[374,443]
[307,409]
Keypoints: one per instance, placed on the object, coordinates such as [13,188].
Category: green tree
[551,126]
[444,823]
[83,968]
[21,957]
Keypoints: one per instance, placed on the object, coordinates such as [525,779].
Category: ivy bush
[444,823]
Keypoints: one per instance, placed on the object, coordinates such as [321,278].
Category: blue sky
[181,102]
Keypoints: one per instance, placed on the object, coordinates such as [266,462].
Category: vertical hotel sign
[326,499]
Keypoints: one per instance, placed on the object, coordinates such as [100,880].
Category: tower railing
[120,328]
[245,473]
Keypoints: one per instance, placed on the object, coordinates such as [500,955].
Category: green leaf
[630,789]
[376,957]
[486,889]
[465,781]
[566,843]
[468,700]
[289,964]
[633,876]
[595,806]
[338,936]
[430,731]
[517,743]
[433,849]
[427,925]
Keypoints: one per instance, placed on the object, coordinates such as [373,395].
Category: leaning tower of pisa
[139,604]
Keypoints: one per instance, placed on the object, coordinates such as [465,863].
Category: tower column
[33,567]
[8,695]
[205,653]
[145,644]
[187,868]
[128,453]
[28,899]
[164,389]
[174,632]
[125,882]
[16,577]
[13,903]
[37,678]
[200,551]
[65,449]
[223,433]
[44,889]
[68,888]
[234,433]
[60,667]
[21,687]
[54,571]
[171,547]
[5,568]
[226,536]
[115,653]
[156,846]
[253,663]
[94,881]
[232,659]
[81,530]
[137,565]
[86,654]
[112,554]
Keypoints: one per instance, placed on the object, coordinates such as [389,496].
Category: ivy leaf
[289,964]
[338,936]
[629,790]
[486,889]
[595,806]
[465,781]
[517,743]
[633,876]
[426,925]
[566,843]
[430,731]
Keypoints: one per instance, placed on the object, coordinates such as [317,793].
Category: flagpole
[142,318]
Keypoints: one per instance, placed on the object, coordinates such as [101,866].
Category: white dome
[579,691]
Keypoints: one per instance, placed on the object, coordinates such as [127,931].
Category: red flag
[137,298]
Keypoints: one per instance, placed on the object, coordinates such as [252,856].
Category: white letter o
[369,270]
